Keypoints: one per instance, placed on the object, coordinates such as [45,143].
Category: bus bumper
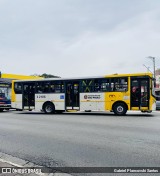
[5,106]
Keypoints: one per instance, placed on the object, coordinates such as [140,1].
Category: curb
[12,161]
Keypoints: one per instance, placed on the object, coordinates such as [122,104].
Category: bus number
[41,96]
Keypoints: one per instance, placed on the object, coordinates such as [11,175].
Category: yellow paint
[135,108]
[57,100]
[13,76]
[143,108]
[72,110]
[13,95]
[152,99]
[112,97]
[128,75]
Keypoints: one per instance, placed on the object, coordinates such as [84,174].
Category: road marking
[8,162]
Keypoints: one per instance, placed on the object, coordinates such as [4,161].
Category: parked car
[157,93]
[157,103]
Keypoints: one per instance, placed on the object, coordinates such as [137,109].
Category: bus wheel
[49,108]
[1,110]
[119,109]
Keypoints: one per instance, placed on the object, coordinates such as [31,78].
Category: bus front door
[140,93]
[28,96]
[72,96]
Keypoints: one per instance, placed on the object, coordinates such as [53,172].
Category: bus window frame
[100,82]
[21,90]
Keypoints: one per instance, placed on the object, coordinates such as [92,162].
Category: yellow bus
[118,93]
[5,88]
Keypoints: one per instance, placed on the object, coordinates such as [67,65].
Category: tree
[45,75]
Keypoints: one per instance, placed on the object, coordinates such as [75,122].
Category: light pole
[154,68]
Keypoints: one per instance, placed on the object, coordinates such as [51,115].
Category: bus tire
[1,110]
[119,109]
[49,108]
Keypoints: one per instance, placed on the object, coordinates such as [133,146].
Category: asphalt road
[82,139]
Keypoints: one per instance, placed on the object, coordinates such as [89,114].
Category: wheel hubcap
[48,108]
[120,109]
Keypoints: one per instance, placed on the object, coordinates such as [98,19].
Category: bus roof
[17,77]
[94,77]
[130,74]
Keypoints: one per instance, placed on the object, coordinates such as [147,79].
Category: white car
[157,95]
[157,103]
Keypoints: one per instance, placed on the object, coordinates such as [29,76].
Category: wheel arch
[120,102]
[46,103]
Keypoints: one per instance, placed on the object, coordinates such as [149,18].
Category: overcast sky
[72,38]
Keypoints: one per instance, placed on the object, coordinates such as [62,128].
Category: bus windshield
[5,92]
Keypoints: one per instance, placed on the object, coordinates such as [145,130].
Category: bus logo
[61,96]
[6,170]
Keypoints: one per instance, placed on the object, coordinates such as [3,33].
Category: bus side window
[105,86]
[18,88]
[52,88]
[57,87]
[46,87]
[97,86]
[112,85]
[39,87]
[119,84]
[62,88]
[88,85]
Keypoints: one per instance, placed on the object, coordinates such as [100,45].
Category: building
[158,78]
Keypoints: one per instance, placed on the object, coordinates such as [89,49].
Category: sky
[74,38]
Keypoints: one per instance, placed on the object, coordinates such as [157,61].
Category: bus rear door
[28,97]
